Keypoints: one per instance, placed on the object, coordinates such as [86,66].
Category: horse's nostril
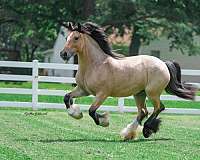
[62,54]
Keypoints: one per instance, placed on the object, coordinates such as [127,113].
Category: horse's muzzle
[66,55]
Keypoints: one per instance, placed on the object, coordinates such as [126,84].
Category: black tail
[175,86]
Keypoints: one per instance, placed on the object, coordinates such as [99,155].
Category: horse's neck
[91,56]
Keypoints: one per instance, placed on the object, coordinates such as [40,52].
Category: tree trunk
[135,43]
[75,62]
[32,52]
[88,8]
[75,71]
[26,57]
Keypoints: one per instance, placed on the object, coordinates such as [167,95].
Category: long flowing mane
[98,34]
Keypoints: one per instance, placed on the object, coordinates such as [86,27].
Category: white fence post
[35,84]
[121,104]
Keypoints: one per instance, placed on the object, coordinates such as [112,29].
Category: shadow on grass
[97,140]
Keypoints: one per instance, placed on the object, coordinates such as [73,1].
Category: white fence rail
[35,91]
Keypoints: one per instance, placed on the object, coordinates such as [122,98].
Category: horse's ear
[79,27]
[69,27]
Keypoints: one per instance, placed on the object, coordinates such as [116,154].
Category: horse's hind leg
[140,100]
[152,123]
[133,129]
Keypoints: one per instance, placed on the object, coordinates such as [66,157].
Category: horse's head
[74,43]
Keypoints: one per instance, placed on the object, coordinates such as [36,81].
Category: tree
[33,25]
[149,19]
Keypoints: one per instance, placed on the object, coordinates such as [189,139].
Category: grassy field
[53,135]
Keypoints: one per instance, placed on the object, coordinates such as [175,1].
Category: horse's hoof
[151,127]
[147,132]
[77,116]
[132,131]
[128,135]
[104,120]
[75,112]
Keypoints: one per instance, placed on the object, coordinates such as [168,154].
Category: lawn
[53,135]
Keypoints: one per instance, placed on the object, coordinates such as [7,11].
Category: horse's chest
[86,83]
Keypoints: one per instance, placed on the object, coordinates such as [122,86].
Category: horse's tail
[175,86]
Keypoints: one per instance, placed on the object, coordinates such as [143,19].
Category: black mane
[97,33]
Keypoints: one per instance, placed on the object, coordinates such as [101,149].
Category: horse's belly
[127,90]
[121,94]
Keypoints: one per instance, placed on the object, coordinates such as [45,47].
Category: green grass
[89,100]
[56,136]
[42,85]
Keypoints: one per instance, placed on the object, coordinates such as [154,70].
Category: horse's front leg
[73,110]
[99,119]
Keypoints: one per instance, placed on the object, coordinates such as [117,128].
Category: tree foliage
[30,26]
[149,19]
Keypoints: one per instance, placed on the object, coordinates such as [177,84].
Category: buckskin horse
[103,73]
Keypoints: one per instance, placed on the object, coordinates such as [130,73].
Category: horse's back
[149,63]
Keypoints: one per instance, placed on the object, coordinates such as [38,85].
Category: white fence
[35,91]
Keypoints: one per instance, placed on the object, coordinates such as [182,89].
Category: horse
[103,73]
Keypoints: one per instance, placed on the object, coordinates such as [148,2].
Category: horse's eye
[76,38]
